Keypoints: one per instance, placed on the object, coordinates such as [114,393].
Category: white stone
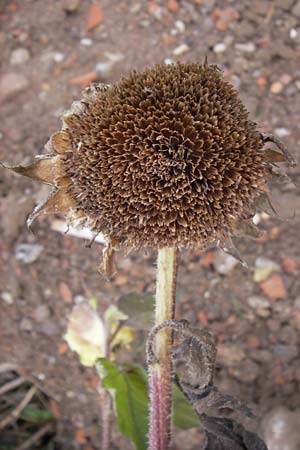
[180,26]
[19,56]
[182,48]
[220,47]
[58,57]
[293,33]
[7,297]
[248,47]
[264,267]
[28,253]
[257,302]
[282,132]
[86,42]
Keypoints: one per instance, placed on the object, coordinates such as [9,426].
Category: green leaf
[183,414]
[33,413]
[139,307]
[128,387]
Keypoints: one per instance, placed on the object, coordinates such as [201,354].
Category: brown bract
[165,157]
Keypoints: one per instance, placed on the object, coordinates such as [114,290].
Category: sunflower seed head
[167,156]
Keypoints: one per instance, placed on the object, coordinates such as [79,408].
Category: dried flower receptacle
[167,157]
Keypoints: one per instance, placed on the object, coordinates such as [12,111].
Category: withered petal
[107,267]
[228,247]
[246,228]
[263,203]
[59,202]
[59,143]
[268,137]
[46,169]
[272,156]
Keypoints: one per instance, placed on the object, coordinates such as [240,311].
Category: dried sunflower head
[165,157]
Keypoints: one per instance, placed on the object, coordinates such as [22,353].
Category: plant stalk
[105,417]
[161,373]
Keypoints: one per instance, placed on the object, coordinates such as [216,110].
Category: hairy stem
[161,373]
[105,416]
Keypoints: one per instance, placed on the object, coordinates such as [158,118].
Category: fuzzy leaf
[128,387]
[139,308]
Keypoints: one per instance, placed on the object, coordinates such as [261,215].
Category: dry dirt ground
[50,49]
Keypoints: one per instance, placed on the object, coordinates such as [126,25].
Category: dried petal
[287,156]
[59,142]
[263,203]
[47,169]
[59,201]
[107,268]
[228,247]
[246,228]
[272,156]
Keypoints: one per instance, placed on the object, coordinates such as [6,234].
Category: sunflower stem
[161,373]
[105,417]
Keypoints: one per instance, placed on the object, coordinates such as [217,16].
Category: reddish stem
[161,373]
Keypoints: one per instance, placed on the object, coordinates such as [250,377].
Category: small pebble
[144,23]
[7,297]
[286,353]
[264,313]
[28,253]
[276,87]
[264,267]
[282,132]
[249,47]
[231,354]
[258,302]
[26,324]
[220,47]
[23,37]
[79,299]
[86,42]
[293,33]
[41,376]
[281,429]
[103,68]
[19,56]
[12,84]
[180,26]
[182,48]
[41,313]
[224,263]
[58,57]
[71,6]
[285,79]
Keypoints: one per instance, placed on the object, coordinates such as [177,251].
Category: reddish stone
[274,287]
[173,6]
[95,17]
[290,265]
